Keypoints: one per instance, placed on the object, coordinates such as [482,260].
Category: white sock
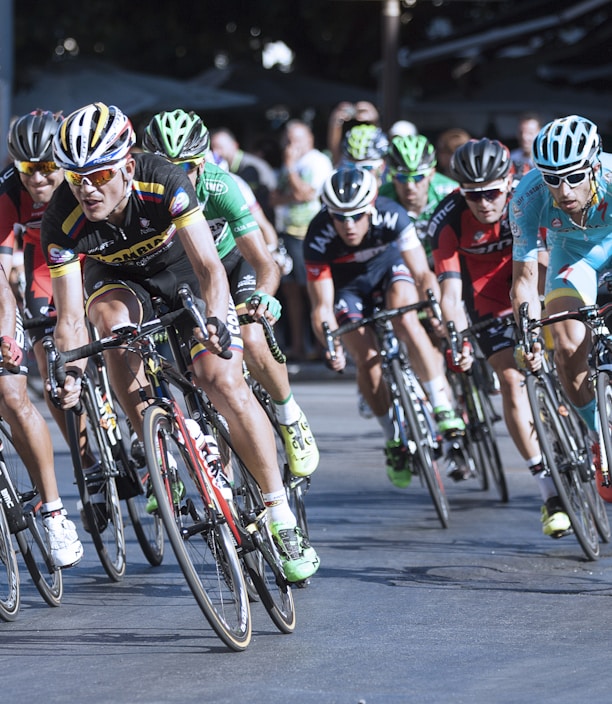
[436,392]
[278,508]
[287,411]
[52,506]
[387,424]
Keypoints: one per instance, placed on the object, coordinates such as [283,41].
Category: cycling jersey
[478,254]
[161,201]
[576,253]
[224,206]
[17,208]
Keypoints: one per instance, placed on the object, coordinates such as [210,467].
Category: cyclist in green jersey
[183,138]
[414,182]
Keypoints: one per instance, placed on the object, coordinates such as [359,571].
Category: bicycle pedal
[562,533]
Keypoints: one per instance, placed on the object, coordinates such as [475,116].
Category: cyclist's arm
[525,288]
[424,278]
[253,248]
[321,293]
[451,302]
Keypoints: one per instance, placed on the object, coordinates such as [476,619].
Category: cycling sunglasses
[572,180]
[31,167]
[405,177]
[342,217]
[489,194]
[190,165]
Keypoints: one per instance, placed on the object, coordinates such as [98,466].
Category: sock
[278,508]
[287,411]
[52,507]
[436,392]
[545,482]
[588,413]
[387,424]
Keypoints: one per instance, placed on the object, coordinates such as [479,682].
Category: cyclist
[183,139]
[365,146]
[26,187]
[360,245]
[137,219]
[472,248]
[569,196]
[415,183]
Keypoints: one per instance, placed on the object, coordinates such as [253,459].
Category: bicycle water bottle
[209,451]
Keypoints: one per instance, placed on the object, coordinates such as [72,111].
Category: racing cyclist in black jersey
[183,139]
[137,219]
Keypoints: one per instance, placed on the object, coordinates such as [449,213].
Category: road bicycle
[113,475]
[296,487]
[20,516]
[478,445]
[412,411]
[562,433]
[213,539]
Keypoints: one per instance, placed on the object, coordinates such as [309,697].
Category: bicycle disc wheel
[263,563]
[556,456]
[420,433]
[31,540]
[197,531]
[102,519]
[9,573]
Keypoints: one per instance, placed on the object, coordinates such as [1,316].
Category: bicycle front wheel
[419,428]
[9,573]
[102,517]
[32,539]
[198,532]
[557,457]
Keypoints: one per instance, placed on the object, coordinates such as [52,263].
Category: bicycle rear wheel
[419,428]
[197,530]
[557,458]
[102,520]
[10,591]
[31,540]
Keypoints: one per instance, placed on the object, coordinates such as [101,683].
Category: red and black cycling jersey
[161,201]
[479,254]
[17,208]
[326,256]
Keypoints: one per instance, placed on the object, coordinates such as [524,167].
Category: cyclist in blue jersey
[568,198]
[359,248]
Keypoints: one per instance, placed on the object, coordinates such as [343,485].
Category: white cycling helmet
[350,190]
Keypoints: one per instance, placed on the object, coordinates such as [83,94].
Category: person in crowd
[529,124]
[446,144]
[137,220]
[304,171]
[358,246]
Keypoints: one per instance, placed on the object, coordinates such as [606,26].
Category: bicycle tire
[200,537]
[482,432]
[104,520]
[263,564]
[31,540]
[556,456]
[420,434]
[10,589]
[604,409]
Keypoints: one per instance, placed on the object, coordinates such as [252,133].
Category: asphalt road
[489,611]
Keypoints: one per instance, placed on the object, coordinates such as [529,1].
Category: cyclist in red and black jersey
[472,250]
[137,219]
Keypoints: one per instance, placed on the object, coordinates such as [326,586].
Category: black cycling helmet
[415,154]
[176,135]
[31,136]
[480,161]
[349,190]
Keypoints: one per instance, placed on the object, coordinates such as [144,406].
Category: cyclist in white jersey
[568,199]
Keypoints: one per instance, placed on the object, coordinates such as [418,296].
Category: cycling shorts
[241,276]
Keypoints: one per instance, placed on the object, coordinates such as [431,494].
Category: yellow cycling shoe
[300,446]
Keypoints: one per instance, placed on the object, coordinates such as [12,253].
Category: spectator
[446,145]
[296,200]
[253,169]
[343,117]
[528,127]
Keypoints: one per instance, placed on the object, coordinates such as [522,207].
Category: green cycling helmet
[415,154]
[176,135]
[365,142]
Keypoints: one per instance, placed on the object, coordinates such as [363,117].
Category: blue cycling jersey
[533,211]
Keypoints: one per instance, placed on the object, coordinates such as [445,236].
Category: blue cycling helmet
[566,144]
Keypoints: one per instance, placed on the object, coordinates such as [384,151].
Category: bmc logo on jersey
[60,256]
[179,203]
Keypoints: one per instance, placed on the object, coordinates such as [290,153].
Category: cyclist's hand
[269,307]
[219,338]
[68,395]
[12,354]
[465,360]
[339,363]
[531,362]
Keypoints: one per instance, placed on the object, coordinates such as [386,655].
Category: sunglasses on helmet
[31,167]
[490,194]
[572,180]
[405,177]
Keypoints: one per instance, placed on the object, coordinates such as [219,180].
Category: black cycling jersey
[162,200]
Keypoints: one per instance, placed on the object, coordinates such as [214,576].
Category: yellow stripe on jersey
[64,269]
